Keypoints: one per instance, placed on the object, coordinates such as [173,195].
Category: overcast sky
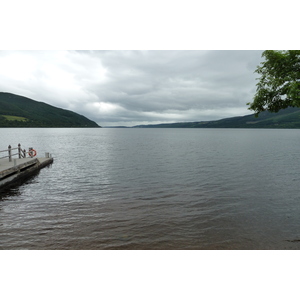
[140,87]
[135,87]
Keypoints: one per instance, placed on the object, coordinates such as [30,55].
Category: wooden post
[24,153]
[9,153]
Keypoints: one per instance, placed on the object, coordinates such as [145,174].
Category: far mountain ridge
[286,118]
[19,111]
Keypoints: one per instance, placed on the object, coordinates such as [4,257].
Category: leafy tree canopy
[279,84]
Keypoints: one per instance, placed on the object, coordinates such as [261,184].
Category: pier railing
[18,151]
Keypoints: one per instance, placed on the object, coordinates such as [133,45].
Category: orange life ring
[32,152]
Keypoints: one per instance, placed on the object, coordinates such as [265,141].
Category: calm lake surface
[155,189]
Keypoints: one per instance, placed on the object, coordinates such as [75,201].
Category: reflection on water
[157,189]
[9,191]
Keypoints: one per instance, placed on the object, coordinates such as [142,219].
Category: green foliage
[279,84]
[15,118]
[14,108]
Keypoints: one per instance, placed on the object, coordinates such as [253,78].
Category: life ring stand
[32,152]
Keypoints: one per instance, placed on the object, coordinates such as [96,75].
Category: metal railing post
[9,153]
[19,150]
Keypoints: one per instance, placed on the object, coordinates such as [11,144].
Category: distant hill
[19,111]
[286,118]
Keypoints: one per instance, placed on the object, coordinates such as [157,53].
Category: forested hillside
[19,111]
[286,118]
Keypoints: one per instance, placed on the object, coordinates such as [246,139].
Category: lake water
[155,189]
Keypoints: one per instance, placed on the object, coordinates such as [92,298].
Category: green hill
[287,118]
[19,111]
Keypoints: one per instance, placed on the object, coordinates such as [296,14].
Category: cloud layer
[135,87]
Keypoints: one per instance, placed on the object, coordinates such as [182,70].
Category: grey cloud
[132,87]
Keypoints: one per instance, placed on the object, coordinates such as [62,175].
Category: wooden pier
[13,170]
